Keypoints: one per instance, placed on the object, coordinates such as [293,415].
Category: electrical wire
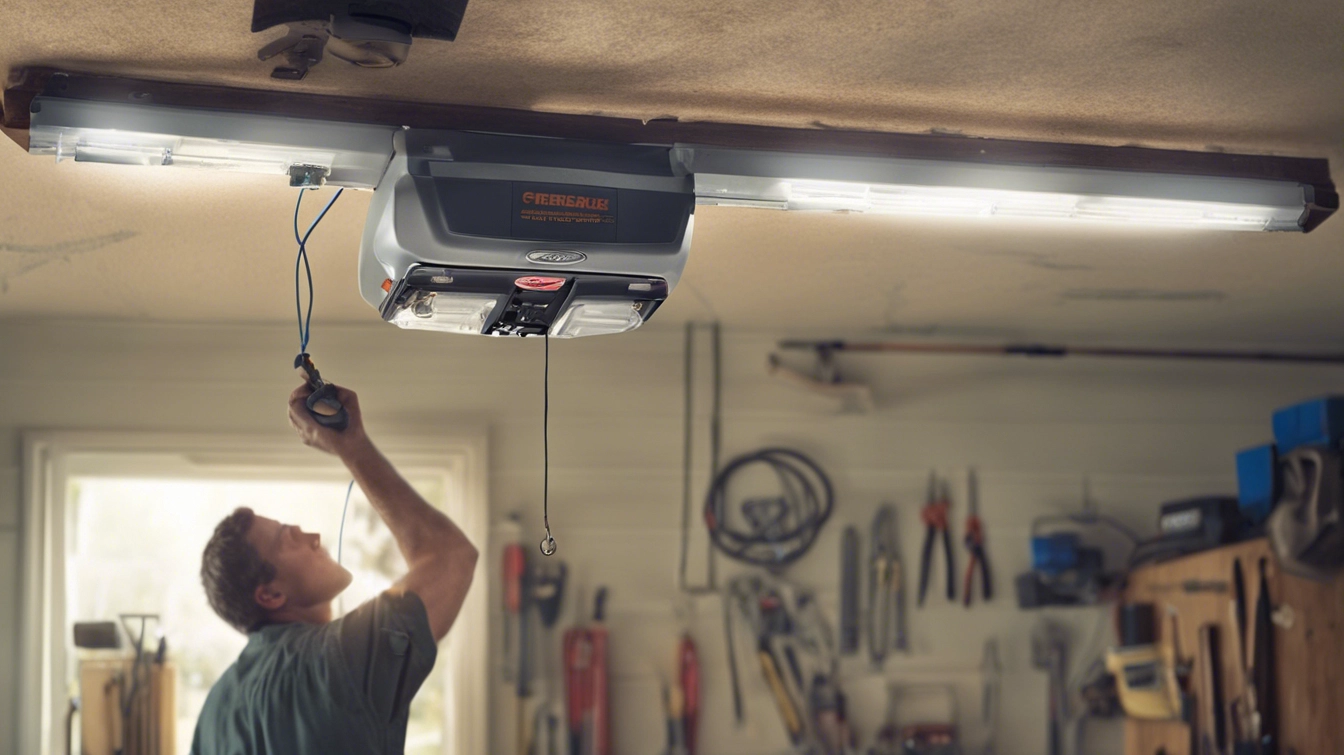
[547,543]
[340,536]
[305,323]
[781,529]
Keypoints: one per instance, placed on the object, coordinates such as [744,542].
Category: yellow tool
[793,721]
[1146,672]
[1146,680]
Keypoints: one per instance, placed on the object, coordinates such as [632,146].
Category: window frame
[51,458]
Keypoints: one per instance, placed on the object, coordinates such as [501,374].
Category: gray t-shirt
[341,687]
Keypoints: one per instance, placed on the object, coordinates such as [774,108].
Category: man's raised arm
[441,558]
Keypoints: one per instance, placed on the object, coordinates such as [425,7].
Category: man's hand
[337,442]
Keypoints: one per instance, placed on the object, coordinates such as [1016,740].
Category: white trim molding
[50,457]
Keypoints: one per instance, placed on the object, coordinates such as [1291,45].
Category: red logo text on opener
[539,283]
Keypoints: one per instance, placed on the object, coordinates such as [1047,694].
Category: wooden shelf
[1309,653]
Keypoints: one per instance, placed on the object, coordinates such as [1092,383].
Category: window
[131,525]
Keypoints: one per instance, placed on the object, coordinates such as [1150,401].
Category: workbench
[1309,652]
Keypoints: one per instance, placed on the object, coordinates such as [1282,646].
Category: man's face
[305,573]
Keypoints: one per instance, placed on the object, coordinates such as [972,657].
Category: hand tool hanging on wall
[772,664]
[827,707]
[514,563]
[523,677]
[1262,670]
[990,675]
[1239,612]
[775,626]
[688,674]
[578,655]
[935,518]
[586,688]
[886,589]
[600,716]
[794,646]
[1212,724]
[547,590]
[674,712]
[1241,714]
[1049,651]
[975,543]
[849,592]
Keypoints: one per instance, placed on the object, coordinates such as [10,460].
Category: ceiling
[124,243]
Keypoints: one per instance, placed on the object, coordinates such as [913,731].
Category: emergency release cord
[547,543]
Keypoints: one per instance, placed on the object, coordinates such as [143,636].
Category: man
[306,683]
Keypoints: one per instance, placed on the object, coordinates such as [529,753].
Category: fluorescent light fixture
[893,186]
[310,152]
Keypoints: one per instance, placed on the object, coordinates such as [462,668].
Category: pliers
[886,599]
[975,543]
[934,515]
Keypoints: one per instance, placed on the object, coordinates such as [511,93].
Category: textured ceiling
[91,240]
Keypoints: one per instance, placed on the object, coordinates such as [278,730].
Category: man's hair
[231,570]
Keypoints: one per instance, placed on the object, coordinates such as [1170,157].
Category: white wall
[1144,432]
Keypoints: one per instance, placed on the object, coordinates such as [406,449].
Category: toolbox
[1257,483]
[1196,524]
[1319,422]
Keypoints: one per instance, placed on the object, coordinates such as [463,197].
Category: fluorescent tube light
[891,186]
[310,152]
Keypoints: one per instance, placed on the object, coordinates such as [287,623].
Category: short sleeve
[388,649]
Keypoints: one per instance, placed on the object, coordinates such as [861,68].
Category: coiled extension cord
[771,532]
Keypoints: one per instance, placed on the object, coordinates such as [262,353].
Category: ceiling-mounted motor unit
[510,235]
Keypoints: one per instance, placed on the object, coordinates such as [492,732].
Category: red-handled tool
[934,515]
[586,690]
[578,663]
[601,710]
[975,543]
[689,671]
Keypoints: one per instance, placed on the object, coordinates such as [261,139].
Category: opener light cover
[446,313]
[592,317]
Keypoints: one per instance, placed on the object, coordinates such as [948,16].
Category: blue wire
[305,323]
[340,537]
[298,302]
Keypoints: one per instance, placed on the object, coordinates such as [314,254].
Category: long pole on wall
[1059,352]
